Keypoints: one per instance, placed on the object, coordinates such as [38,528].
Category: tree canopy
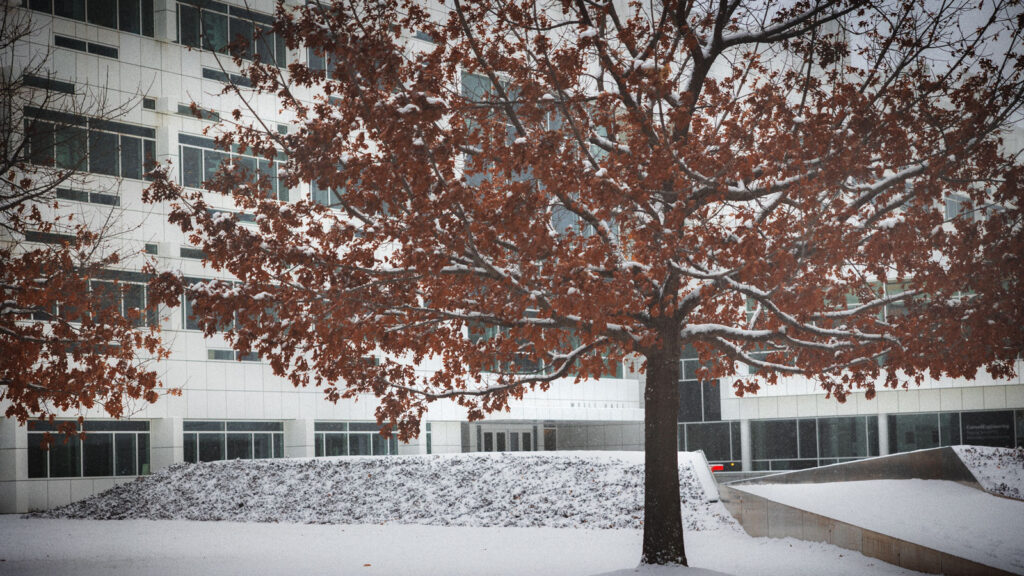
[523,191]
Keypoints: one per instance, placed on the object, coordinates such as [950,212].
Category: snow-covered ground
[31,547]
[558,514]
[939,514]
[998,470]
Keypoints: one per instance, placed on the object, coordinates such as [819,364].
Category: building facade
[153,58]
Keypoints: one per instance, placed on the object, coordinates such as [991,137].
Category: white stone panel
[974,398]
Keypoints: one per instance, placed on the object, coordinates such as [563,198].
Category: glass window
[793,464]
[550,439]
[1019,426]
[125,451]
[103,13]
[211,447]
[70,9]
[40,142]
[134,296]
[202,426]
[241,32]
[191,453]
[147,18]
[41,5]
[315,61]
[359,445]
[690,403]
[380,444]
[712,438]
[267,44]
[500,441]
[108,296]
[103,153]
[278,445]
[712,400]
[247,164]
[773,439]
[254,426]
[148,155]
[191,320]
[527,443]
[239,446]
[143,452]
[842,437]
[131,157]
[957,206]
[988,428]
[191,167]
[335,444]
[808,432]
[129,14]
[188,25]
[211,162]
[37,457]
[70,148]
[65,458]
[262,445]
[267,169]
[215,30]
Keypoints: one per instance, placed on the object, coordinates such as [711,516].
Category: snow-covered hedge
[596,490]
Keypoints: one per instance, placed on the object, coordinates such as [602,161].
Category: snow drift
[561,490]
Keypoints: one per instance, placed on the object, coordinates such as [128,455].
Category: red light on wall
[717,468]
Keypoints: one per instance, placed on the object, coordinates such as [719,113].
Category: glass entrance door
[507,441]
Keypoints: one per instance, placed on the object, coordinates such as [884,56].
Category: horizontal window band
[92,426]
[221,76]
[122,128]
[123,276]
[70,43]
[186,110]
[94,123]
[83,46]
[200,426]
[101,50]
[49,237]
[240,12]
[193,253]
[92,197]
[240,216]
[76,195]
[207,5]
[48,84]
[198,141]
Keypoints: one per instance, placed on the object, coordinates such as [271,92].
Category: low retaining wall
[761,517]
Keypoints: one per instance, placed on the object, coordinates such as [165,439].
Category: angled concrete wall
[761,517]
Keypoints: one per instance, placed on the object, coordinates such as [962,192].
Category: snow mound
[998,470]
[502,490]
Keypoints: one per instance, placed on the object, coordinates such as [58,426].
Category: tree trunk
[663,524]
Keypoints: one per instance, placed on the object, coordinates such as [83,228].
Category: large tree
[547,187]
[74,337]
